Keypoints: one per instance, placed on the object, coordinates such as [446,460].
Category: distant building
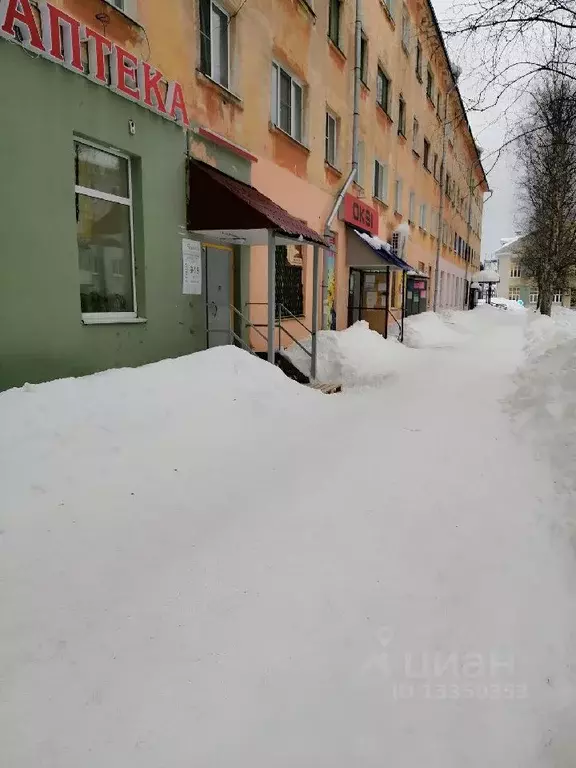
[513,283]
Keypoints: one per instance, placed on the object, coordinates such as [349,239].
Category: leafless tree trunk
[547,158]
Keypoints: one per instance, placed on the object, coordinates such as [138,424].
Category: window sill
[419,78]
[380,202]
[402,137]
[277,130]
[365,86]
[384,112]
[405,49]
[398,215]
[431,102]
[427,170]
[415,152]
[336,48]
[388,14]
[226,94]
[114,320]
[126,14]
[307,7]
[359,188]
[332,168]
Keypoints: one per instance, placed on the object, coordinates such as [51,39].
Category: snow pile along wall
[430,330]
[355,356]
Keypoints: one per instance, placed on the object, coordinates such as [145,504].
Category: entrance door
[218,295]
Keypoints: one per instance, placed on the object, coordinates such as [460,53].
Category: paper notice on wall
[371,299]
[191,267]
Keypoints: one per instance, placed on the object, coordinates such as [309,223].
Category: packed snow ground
[203,563]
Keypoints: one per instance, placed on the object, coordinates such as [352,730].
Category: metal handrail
[248,322]
[293,316]
[295,340]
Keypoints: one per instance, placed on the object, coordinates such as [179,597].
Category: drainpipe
[440,238]
[355,116]
[468,233]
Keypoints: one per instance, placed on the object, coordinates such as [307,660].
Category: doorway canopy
[222,209]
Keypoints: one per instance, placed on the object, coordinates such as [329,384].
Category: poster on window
[191,267]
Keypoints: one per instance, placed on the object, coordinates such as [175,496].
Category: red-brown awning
[218,203]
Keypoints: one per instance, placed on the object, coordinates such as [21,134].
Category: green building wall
[43,107]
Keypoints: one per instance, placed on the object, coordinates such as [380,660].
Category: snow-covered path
[205,564]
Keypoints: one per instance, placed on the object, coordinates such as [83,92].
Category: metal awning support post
[315,282]
[271,293]
[403,305]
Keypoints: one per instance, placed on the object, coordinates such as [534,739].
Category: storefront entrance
[218,262]
[416,295]
[367,298]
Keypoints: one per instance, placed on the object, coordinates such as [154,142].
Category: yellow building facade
[269,91]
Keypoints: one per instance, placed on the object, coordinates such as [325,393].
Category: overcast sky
[490,131]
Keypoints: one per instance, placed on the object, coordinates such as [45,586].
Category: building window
[418,61]
[383,90]
[389,6]
[103,189]
[557,298]
[515,270]
[435,166]
[289,286]
[514,294]
[401,117]
[438,102]
[331,139]
[426,154]
[380,181]
[415,133]
[448,185]
[287,102]
[411,207]
[533,298]
[405,29]
[423,216]
[364,59]
[334,13]
[430,84]
[214,42]
[398,196]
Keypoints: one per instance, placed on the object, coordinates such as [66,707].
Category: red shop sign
[360,215]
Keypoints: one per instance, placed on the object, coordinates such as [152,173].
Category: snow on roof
[375,241]
[486,276]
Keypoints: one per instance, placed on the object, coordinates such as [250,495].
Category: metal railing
[281,310]
[233,335]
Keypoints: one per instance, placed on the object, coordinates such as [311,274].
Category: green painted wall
[43,106]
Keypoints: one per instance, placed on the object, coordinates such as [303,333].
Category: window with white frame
[331,139]
[418,63]
[401,116]
[412,207]
[514,294]
[380,181]
[103,187]
[423,216]
[334,20]
[287,102]
[405,29]
[415,134]
[398,196]
[557,298]
[364,58]
[215,42]
[383,90]
[534,298]
[389,6]
[430,84]
[515,270]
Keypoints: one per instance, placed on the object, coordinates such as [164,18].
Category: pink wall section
[307,202]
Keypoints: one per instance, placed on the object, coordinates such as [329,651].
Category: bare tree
[547,157]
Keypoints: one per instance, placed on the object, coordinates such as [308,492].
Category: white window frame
[411,206]
[514,294]
[275,116]
[381,74]
[515,270]
[330,116]
[212,47]
[423,217]
[415,133]
[557,298]
[534,298]
[398,196]
[112,317]
[405,28]
[381,193]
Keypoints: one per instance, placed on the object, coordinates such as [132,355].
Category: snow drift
[429,330]
[355,356]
